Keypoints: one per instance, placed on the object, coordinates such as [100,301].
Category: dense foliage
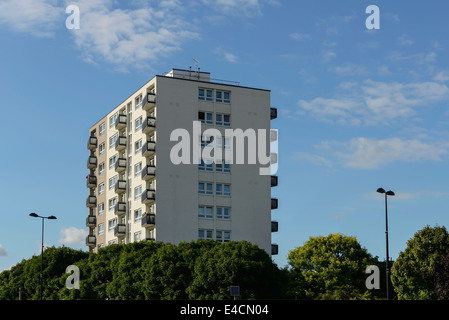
[421,270]
[331,267]
[150,270]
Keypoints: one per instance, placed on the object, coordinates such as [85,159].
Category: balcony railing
[148,220]
[274,203]
[149,102]
[120,165]
[274,226]
[91,241]
[149,125]
[120,186]
[91,201]
[274,181]
[149,149]
[120,122]
[148,196]
[273,113]
[120,230]
[120,144]
[148,173]
[120,208]
[92,143]
[92,162]
[91,221]
[91,181]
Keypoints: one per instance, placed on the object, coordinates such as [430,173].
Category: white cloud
[369,153]
[227,56]
[299,36]
[72,236]
[2,251]
[36,17]
[239,7]
[327,55]
[313,158]
[441,76]
[371,103]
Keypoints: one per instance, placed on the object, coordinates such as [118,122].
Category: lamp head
[389,193]
[33,215]
[380,190]
[52,218]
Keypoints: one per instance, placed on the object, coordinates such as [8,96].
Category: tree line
[324,267]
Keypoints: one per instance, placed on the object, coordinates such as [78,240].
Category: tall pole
[386,236]
[42,258]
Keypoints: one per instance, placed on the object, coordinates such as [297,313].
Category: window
[112,141]
[205,212]
[209,95]
[102,128]
[206,117]
[111,224]
[137,215]
[100,228]
[206,166]
[206,141]
[137,169]
[223,96]
[112,203]
[138,123]
[223,167]
[223,213]
[222,119]
[201,94]
[101,148]
[137,236]
[222,189]
[112,161]
[139,101]
[205,188]
[100,208]
[112,182]
[101,168]
[138,146]
[222,236]
[205,234]
[112,120]
[101,188]
[137,192]
[205,94]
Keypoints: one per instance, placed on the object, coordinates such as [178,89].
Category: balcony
[92,143]
[274,181]
[91,201]
[274,249]
[149,102]
[274,226]
[120,230]
[120,144]
[150,239]
[91,241]
[149,125]
[273,113]
[120,165]
[148,196]
[148,220]
[91,221]
[91,181]
[149,149]
[120,208]
[91,162]
[120,122]
[274,203]
[148,173]
[120,186]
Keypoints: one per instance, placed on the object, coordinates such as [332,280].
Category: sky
[358,108]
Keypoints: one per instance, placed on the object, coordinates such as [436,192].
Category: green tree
[411,273]
[331,267]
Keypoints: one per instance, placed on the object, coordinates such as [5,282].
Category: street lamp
[387,193]
[42,248]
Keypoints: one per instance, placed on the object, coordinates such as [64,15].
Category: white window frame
[204,186]
[137,192]
[112,224]
[114,160]
[102,128]
[101,208]
[222,187]
[112,141]
[101,229]
[101,168]
[137,169]
[205,212]
[222,236]
[101,188]
[138,146]
[112,203]
[101,148]
[138,123]
[113,181]
[112,120]
[138,215]
[206,234]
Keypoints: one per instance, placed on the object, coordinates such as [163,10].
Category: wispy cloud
[2,251]
[299,36]
[72,236]
[371,102]
[227,56]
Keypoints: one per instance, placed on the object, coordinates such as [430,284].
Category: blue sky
[358,109]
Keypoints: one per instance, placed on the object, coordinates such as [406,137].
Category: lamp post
[387,193]
[42,248]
